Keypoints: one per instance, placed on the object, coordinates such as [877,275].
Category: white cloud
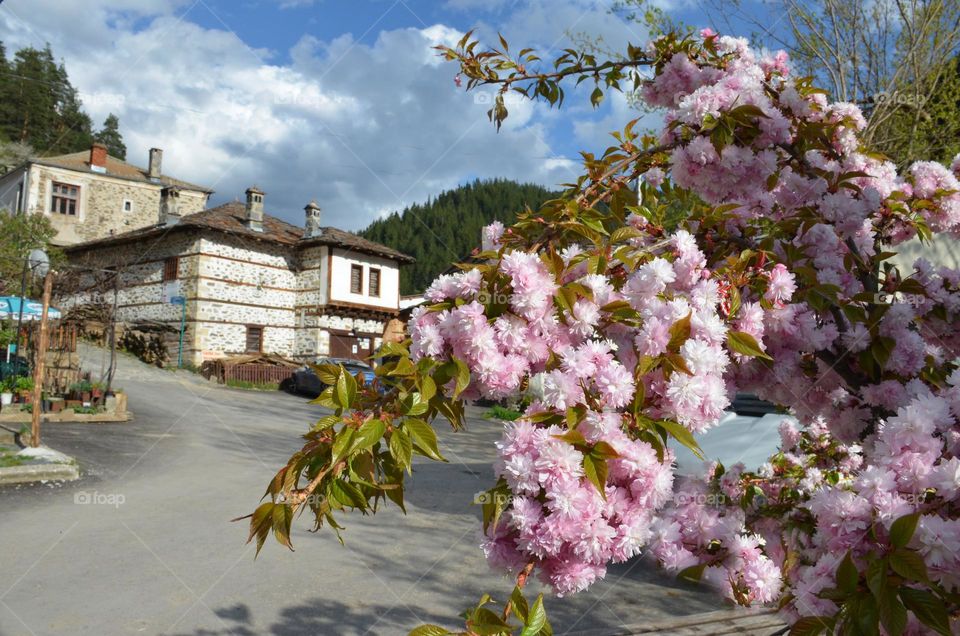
[361,127]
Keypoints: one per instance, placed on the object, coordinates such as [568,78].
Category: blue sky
[340,101]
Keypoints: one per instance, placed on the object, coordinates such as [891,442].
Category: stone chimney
[98,157]
[170,205]
[313,220]
[254,217]
[153,169]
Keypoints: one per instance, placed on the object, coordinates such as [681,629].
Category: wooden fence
[253,373]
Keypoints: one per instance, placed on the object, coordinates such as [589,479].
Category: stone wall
[230,283]
[102,197]
[240,283]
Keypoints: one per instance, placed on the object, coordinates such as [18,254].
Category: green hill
[447,228]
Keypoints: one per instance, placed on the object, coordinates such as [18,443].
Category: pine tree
[110,137]
[447,227]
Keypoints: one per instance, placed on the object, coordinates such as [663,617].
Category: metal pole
[23,292]
[41,357]
[183,323]
[113,333]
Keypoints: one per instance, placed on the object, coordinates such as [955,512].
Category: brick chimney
[153,169]
[312,220]
[254,216]
[98,157]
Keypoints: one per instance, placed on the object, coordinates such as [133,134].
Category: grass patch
[8,457]
[498,412]
[253,386]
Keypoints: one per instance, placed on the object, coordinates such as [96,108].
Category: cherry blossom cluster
[576,532]
[789,267]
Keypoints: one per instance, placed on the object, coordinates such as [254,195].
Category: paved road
[167,560]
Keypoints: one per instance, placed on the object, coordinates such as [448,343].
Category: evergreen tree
[447,228]
[110,137]
[39,105]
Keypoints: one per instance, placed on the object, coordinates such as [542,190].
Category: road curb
[39,472]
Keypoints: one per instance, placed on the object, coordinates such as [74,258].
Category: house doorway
[345,345]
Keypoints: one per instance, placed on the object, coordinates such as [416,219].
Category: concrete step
[39,472]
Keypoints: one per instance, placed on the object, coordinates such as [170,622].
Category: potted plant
[56,404]
[24,388]
[86,389]
[6,391]
[96,390]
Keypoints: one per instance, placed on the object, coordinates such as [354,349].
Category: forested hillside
[41,111]
[447,228]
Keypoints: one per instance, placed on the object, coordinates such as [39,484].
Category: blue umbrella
[32,309]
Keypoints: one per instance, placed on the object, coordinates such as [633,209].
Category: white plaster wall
[340,279]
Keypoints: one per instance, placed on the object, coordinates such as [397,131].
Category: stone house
[250,282]
[90,195]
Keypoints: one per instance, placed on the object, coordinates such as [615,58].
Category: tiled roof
[115,168]
[231,218]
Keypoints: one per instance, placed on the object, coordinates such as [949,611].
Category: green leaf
[519,604]
[425,437]
[595,468]
[537,619]
[326,373]
[342,444]
[428,388]
[927,608]
[901,530]
[347,494]
[429,630]
[463,377]
[693,573]
[414,404]
[486,622]
[893,615]
[369,434]
[908,564]
[346,389]
[326,422]
[401,447]
[847,575]
[680,433]
[745,344]
[812,626]
[679,333]
[596,97]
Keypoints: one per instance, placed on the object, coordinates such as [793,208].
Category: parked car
[305,381]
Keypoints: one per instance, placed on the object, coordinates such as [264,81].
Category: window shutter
[170,267]
[356,279]
[254,339]
[374,287]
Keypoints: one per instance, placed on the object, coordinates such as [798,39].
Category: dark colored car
[305,381]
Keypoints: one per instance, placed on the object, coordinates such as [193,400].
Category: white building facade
[249,283]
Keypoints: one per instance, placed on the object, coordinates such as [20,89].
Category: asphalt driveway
[143,543]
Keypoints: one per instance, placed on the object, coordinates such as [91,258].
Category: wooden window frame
[359,278]
[60,202]
[370,287]
[246,342]
[171,268]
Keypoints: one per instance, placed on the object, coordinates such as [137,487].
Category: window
[356,279]
[254,339]
[373,288]
[170,266]
[65,199]
[127,205]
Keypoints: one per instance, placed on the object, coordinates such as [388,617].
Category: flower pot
[56,405]
[85,396]
[6,398]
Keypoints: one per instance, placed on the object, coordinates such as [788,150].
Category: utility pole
[41,358]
